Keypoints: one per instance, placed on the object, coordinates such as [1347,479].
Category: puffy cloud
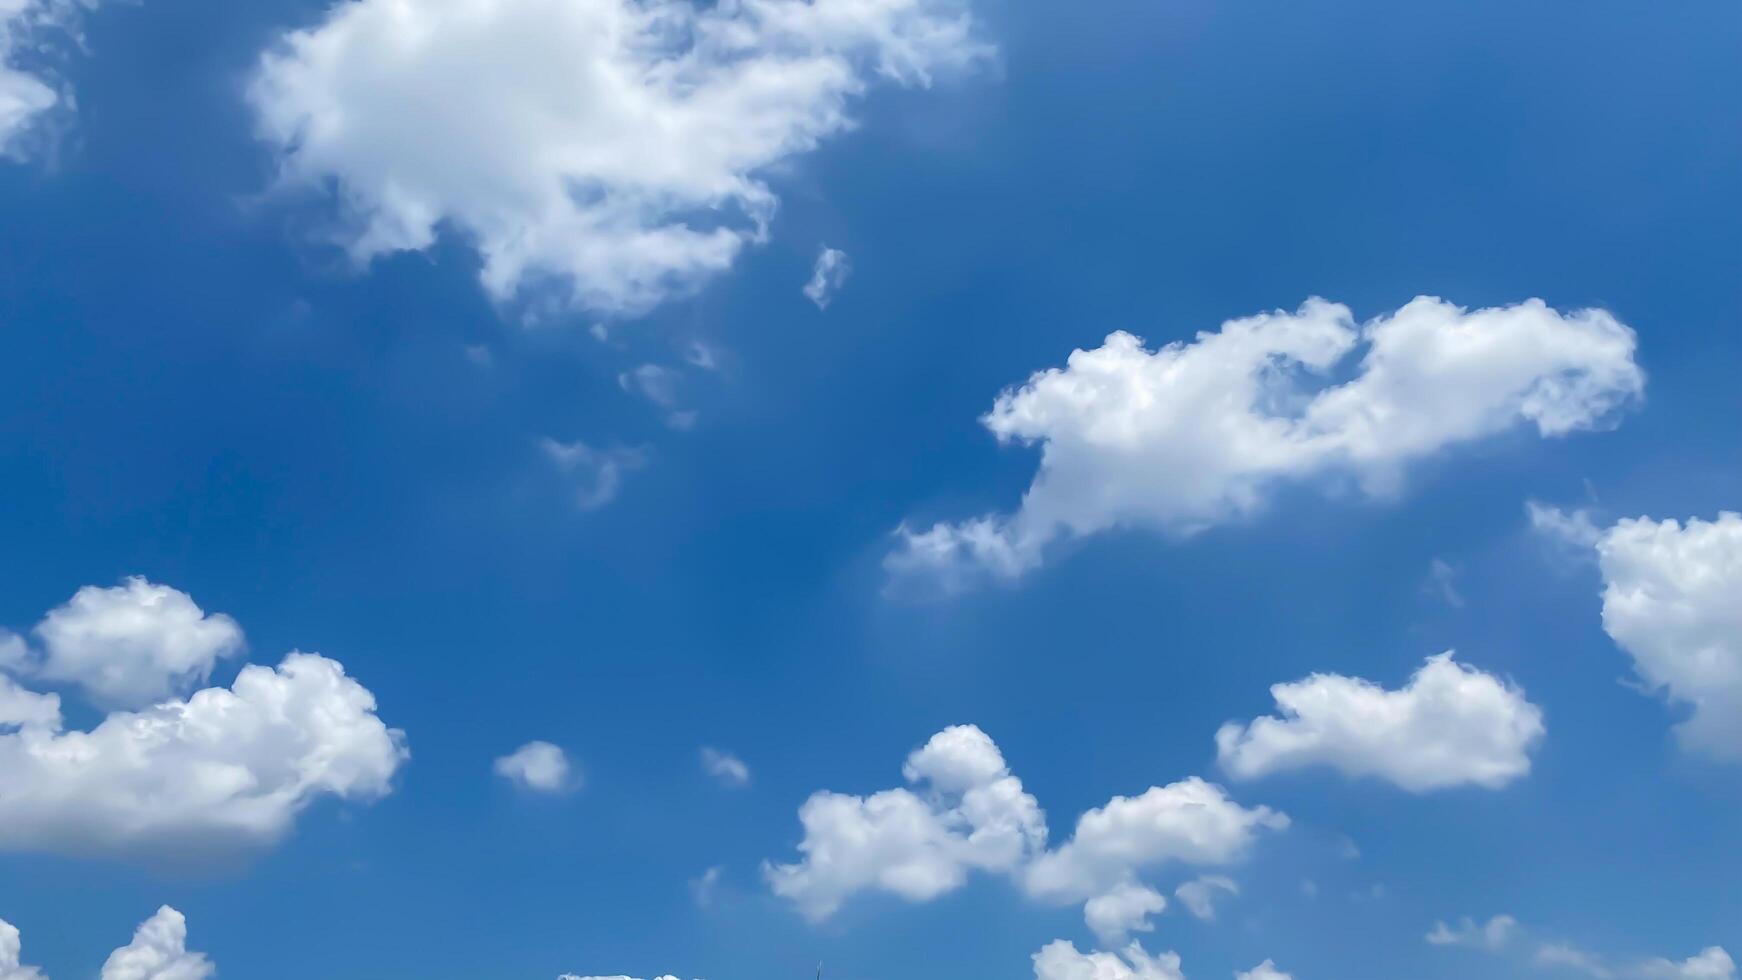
[1493,934]
[222,769]
[158,952]
[1061,961]
[614,148]
[1123,910]
[1199,894]
[11,948]
[725,767]
[1670,599]
[970,813]
[827,277]
[538,766]
[1264,971]
[597,473]
[1452,725]
[129,646]
[1199,434]
[1189,822]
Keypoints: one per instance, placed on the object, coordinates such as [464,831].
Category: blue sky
[347,454]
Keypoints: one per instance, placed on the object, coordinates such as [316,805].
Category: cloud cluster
[158,951]
[1203,433]
[220,770]
[1451,725]
[967,812]
[1672,598]
[1061,961]
[617,149]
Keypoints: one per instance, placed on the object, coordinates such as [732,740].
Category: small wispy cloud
[597,473]
[827,277]
[725,767]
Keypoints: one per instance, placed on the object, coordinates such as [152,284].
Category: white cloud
[614,148]
[968,812]
[31,31]
[597,473]
[1061,961]
[538,766]
[702,888]
[219,770]
[725,767]
[1670,599]
[1564,956]
[1264,971]
[1575,529]
[1188,822]
[128,646]
[1452,725]
[658,385]
[158,952]
[827,277]
[1492,935]
[1121,911]
[1203,433]
[11,948]
[1712,963]
[1199,895]
[1502,933]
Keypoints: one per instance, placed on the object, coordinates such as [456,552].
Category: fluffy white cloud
[1126,909]
[614,148]
[597,473]
[827,277]
[537,766]
[218,770]
[725,767]
[1199,895]
[11,949]
[1201,433]
[1264,971]
[1672,599]
[1188,822]
[970,813]
[1061,961]
[1452,725]
[1493,934]
[158,952]
[128,646]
